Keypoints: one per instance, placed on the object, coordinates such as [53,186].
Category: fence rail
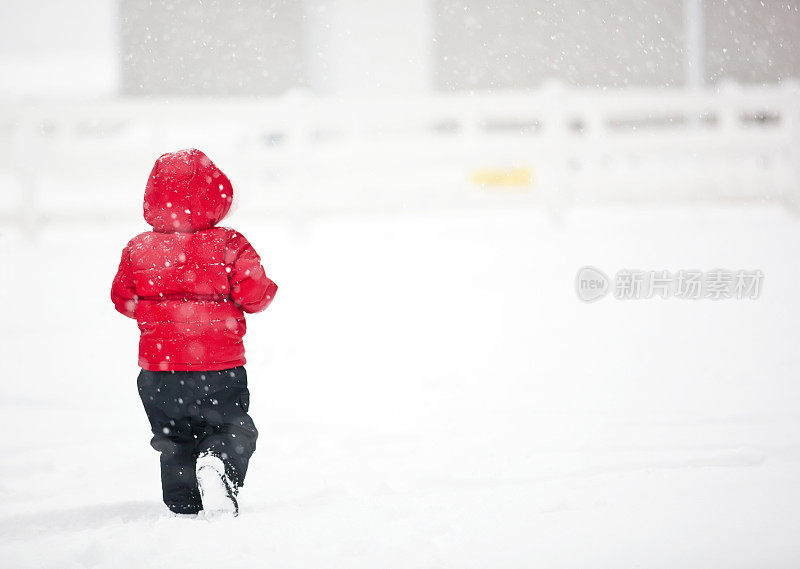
[299,154]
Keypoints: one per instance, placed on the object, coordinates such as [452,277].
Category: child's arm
[251,289]
[123,289]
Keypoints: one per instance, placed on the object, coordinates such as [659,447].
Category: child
[188,284]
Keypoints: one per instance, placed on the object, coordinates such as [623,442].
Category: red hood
[185,193]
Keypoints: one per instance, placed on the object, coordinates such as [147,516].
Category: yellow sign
[503,177]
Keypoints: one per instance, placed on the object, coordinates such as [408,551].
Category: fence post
[791,90]
[24,159]
[556,180]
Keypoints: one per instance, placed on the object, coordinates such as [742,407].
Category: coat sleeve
[123,289]
[251,289]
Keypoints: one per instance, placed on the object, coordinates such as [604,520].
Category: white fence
[304,155]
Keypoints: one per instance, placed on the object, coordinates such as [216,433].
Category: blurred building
[268,47]
[260,47]
[185,47]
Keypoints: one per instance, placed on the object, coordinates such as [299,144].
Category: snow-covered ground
[429,393]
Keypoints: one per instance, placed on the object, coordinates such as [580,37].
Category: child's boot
[217,490]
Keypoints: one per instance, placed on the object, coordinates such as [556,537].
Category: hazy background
[268,47]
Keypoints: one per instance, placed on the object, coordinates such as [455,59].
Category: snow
[429,392]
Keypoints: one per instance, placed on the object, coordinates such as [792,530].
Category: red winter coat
[187,282]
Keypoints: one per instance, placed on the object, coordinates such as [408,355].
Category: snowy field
[430,394]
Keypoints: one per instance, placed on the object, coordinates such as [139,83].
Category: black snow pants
[192,413]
